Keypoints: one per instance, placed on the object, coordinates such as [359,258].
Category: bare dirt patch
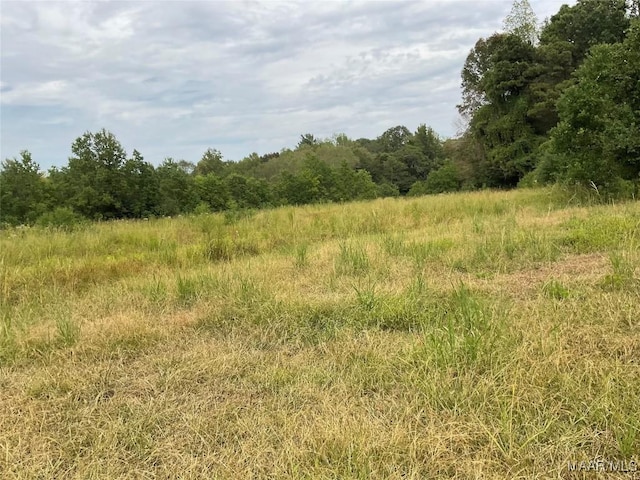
[585,269]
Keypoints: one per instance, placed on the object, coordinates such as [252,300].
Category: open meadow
[474,335]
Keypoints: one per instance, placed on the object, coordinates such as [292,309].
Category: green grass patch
[472,335]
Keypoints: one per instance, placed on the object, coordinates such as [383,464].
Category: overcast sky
[172,79]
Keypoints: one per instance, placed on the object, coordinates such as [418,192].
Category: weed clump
[352,259]
[555,290]
[622,275]
[226,249]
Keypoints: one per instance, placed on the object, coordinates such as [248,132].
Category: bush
[62,217]
[388,190]
[551,167]
[445,179]
[203,208]
[235,214]
[418,189]
[530,180]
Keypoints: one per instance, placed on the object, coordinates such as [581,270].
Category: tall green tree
[211,162]
[585,24]
[94,179]
[22,190]
[396,172]
[552,76]
[430,146]
[394,139]
[476,67]
[353,185]
[248,166]
[248,192]
[597,141]
[213,191]
[470,159]
[324,175]
[300,189]
[496,70]
[496,78]
[307,140]
[177,190]
[142,192]
[564,43]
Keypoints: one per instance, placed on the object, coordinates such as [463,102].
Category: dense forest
[557,103]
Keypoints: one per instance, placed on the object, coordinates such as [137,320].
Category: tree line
[102,182]
[559,103]
[556,104]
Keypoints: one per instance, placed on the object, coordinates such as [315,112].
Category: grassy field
[477,335]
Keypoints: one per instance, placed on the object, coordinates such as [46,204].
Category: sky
[174,78]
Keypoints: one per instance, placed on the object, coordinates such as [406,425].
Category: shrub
[530,180]
[418,189]
[203,208]
[63,218]
[388,190]
[444,179]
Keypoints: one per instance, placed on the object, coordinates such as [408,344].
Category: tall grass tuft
[68,331]
[352,259]
[394,245]
[156,292]
[301,256]
[219,249]
[226,248]
[555,289]
[9,348]
[467,333]
[366,295]
[187,291]
[622,275]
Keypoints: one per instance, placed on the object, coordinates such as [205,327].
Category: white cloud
[174,78]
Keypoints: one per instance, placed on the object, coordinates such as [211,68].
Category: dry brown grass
[484,335]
